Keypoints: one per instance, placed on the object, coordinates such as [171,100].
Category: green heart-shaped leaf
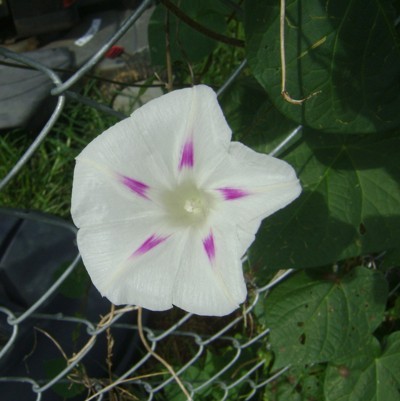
[318,317]
[346,51]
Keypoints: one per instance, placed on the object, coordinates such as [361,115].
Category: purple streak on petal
[149,244]
[209,246]
[233,193]
[187,158]
[136,186]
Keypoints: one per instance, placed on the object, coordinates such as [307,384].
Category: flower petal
[149,244]
[209,247]
[138,187]
[100,196]
[187,157]
[247,234]
[124,191]
[252,186]
[131,262]
[233,193]
[185,129]
[210,278]
[123,150]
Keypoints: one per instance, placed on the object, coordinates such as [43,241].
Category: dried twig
[159,358]
[54,341]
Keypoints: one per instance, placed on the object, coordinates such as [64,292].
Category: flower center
[187,205]
[194,206]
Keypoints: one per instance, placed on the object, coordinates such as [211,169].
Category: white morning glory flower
[167,205]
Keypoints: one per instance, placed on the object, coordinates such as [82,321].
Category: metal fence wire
[245,364]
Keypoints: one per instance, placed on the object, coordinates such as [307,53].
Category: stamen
[187,205]
[193,206]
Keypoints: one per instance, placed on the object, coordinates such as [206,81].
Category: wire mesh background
[225,380]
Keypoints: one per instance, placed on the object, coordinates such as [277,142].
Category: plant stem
[200,28]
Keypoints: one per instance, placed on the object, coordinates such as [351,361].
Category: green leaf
[198,374]
[318,317]
[193,375]
[351,197]
[347,50]
[349,205]
[252,117]
[76,284]
[373,375]
[65,390]
[186,44]
[297,384]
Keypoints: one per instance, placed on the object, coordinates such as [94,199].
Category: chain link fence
[147,376]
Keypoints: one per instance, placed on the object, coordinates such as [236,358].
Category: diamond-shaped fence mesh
[176,349]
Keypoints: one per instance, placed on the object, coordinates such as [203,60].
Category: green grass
[45,182]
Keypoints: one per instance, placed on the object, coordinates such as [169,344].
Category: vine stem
[168,53]
[284,92]
[201,28]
